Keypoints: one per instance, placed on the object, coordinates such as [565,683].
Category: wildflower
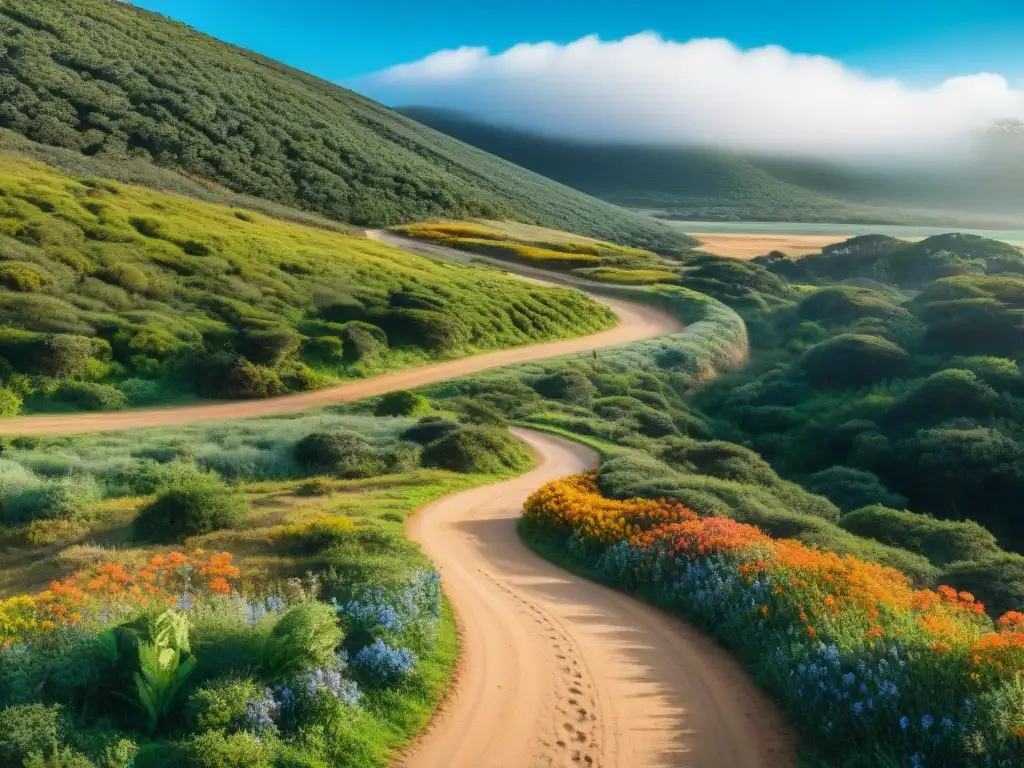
[904,722]
[926,721]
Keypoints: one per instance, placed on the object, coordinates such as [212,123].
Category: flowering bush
[854,653]
[382,664]
[111,591]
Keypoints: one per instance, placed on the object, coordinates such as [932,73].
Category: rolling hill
[109,80]
[707,184]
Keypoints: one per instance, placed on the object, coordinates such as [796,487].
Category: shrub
[945,395]
[430,428]
[265,346]
[64,356]
[328,349]
[29,728]
[941,541]
[381,664]
[215,749]
[852,360]
[402,403]
[306,637]
[23,276]
[850,488]
[124,275]
[843,304]
[426,329]
[477,449]
[362,342]
[570,384]
[997,372]
[343,309]
[61,498]
[221,703]
[90,396]
[194,507]
[237,378]
[997,580]
[10,402]
[479,412]
[61,757]
[344,454]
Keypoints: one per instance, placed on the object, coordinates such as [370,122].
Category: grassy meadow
[309,631]
[114,295]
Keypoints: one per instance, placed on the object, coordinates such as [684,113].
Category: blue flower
[383,663]
[858,707]
[904,722]
[926,721]
[849,679]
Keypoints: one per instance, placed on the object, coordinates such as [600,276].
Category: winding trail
[636,322]
[560,671]
[556,670]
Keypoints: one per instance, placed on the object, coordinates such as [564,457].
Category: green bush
[433,331]
[10,402]
[852,360]
[402,403]
[265,346]
[215,749]
[221,703]
[570,384]
[23,276]
[851,489]
[306,636]
[997,372]
[942,396]
[62,757]
[70,497]
[66,356]
[362,342]
[479,412]
[941,541]
[237,378]
[193,507]
[430,428]
[844,304]
[90,396]
[344,454]
[29,728]
[477,450]
[998,581]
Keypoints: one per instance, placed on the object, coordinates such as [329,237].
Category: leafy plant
[306,636]
[165,665]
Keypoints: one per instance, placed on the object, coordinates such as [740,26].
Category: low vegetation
[538,247]
[113,295]
[324,640]
[853,652]
[132,88]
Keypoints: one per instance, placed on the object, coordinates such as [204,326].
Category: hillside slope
[674,182]
[103,77]
[112,294]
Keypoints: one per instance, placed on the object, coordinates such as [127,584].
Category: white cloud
[706,91]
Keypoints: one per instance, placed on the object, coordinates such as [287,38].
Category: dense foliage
[109,79]
[330,644]
[856,655]
[113,295]
[872,396]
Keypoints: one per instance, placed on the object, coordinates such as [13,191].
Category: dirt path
[559,671]
[636,322]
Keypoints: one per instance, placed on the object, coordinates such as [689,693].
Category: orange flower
[219,586]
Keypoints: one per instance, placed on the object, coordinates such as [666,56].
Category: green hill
[113,294]
[110,80]
[672,182]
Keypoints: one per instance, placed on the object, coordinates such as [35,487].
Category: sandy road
[636,322]
[559,671]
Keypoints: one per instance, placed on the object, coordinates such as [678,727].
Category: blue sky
[920,41]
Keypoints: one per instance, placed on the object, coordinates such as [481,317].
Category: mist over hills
[110,80]
[710,184]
